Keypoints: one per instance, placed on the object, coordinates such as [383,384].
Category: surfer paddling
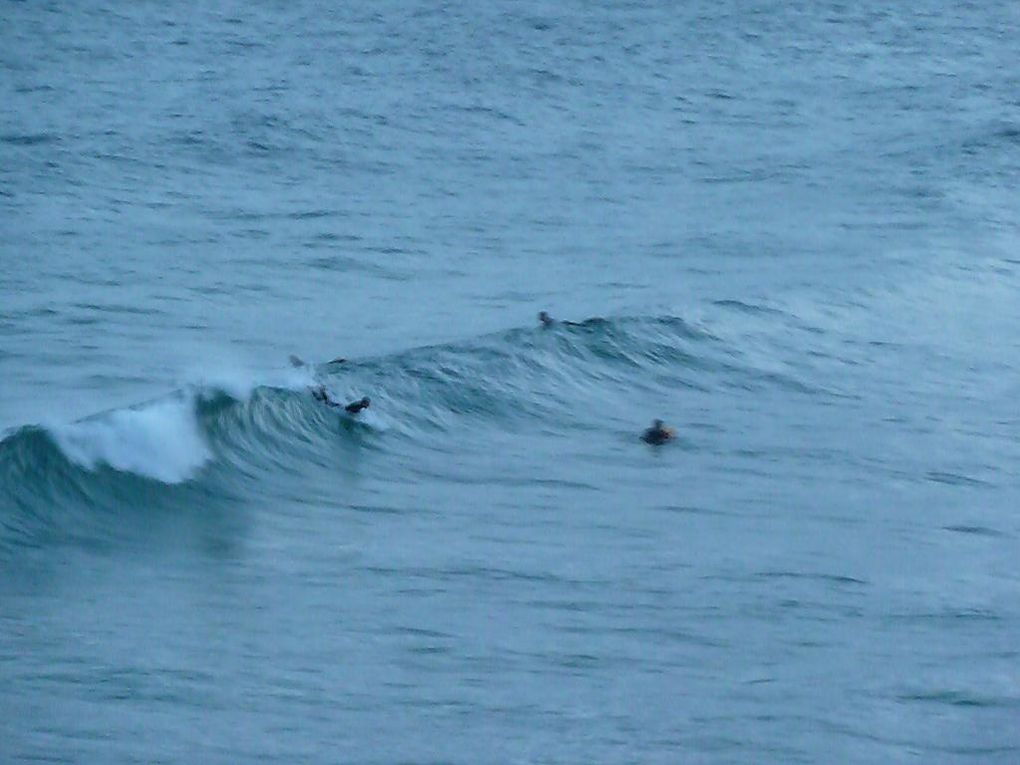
[320,394]
[297,361]
[356,406]
[548,321]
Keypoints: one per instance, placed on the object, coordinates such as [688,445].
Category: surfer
[320,394]
[657,434]
[356,406]
[548,321]
[297,361]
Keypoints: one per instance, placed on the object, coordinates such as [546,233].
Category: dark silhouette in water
[320,394]
[297,361]
[657,434]
[548,321]
[356,406]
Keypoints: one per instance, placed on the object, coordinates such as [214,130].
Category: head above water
[365,401]
[545,318]
[657,434]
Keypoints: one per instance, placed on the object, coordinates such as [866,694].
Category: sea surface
[797,227]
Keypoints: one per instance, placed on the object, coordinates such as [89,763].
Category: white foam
[372,420]
[160,440]
[240,381]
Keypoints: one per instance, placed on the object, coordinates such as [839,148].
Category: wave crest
[161,440]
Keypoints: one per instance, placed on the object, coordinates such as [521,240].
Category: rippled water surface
[796,224]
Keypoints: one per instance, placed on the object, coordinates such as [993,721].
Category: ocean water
[797,226]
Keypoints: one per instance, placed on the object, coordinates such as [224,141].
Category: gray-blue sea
[796,229]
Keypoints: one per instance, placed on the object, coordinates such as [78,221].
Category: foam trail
[161,440]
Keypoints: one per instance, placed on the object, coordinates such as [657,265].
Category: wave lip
[161,440]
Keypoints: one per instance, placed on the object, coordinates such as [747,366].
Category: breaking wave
[218,439]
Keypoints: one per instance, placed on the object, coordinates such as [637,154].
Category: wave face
[210,437]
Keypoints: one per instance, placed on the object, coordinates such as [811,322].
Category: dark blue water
[798,224]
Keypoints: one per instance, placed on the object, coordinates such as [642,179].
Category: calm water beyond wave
[798,226]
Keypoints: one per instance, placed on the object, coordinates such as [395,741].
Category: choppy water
[798,225]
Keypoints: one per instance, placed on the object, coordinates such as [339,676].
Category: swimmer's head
[657,424]
[544,318]
[365,401]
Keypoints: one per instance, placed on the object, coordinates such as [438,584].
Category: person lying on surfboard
[297,361]
[356,406]
[320,394]
[548,321]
